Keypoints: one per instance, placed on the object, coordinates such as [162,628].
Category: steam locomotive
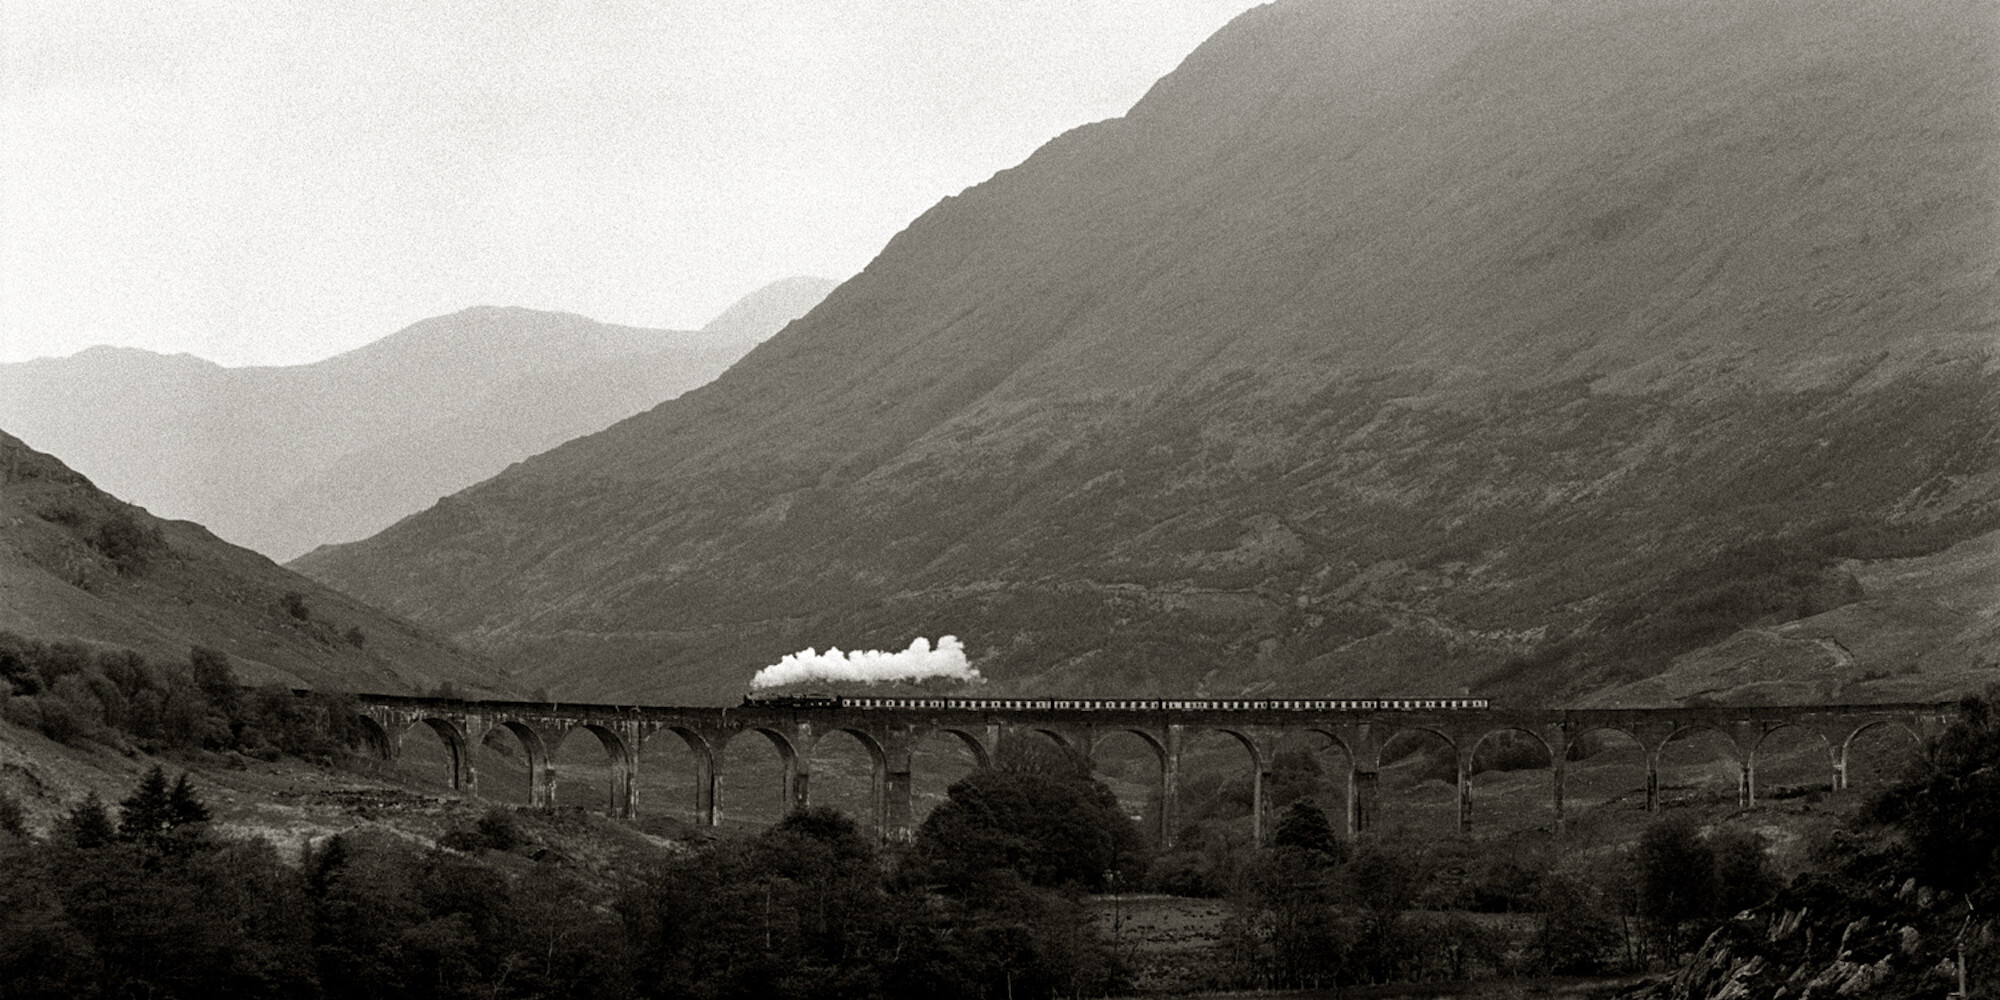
[830,701]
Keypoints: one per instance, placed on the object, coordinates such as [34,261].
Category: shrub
[1043,817]
[13,819]
[120,539]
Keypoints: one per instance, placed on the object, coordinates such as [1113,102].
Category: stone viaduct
[890,735]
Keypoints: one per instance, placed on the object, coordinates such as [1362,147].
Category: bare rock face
[1382,348]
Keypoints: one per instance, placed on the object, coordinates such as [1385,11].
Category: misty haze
[1497,497]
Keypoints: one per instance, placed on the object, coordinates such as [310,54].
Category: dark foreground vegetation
[991,900]
[1900,906]
[147,900]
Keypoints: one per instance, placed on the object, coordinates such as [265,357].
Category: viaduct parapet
[891,734]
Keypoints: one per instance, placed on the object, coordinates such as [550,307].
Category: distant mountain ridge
[1383,348]
[285,458]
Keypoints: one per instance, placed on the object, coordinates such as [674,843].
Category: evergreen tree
[87,825]
[183,807]
[144,814]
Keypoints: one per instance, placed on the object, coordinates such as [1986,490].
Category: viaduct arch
[890,736]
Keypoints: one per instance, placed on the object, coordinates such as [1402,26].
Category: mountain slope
[1382,347]
[282,459]
[78,564]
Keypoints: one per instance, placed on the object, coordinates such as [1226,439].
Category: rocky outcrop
[1828,937]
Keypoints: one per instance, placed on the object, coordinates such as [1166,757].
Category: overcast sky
[276,185]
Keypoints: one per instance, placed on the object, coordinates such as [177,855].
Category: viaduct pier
[890,734]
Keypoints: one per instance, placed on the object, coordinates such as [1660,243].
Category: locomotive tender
[1114,704]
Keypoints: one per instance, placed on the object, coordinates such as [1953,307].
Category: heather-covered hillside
[1381,348]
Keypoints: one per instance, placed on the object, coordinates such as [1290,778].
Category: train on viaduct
[890,729]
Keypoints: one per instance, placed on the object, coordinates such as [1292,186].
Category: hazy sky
[275,183]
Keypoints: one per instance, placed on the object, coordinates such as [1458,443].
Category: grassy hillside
[79,565]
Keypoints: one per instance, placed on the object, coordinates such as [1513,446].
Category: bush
[1304,827]
[498,829]
[1042,817]
[120,539]
[13,819]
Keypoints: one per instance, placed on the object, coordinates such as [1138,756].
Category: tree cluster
[1312,911]
[151,902]
[75,694]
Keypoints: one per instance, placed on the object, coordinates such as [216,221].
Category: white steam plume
[869,666]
